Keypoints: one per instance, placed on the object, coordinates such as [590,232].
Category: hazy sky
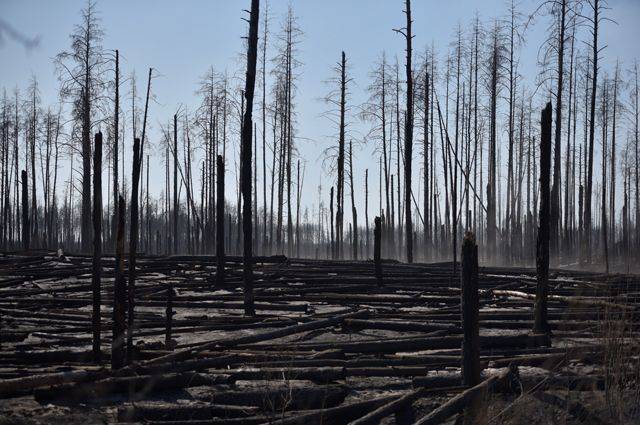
[181,39]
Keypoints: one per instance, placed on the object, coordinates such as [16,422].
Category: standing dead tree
[495,64]
[118,357]
[33,95]
[470,316]
[337,98]
[265,36]
[377,246]
[541,324]
[354,212]
[25,211]
[97,244]
[408,133]
[247,127]
[635,101]
[176,203]
[80,71]
[144,130]
[594,20]
[116,143]
[133,246]
[220,222]
[340,195]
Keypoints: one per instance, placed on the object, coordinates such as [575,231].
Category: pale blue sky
[182,39]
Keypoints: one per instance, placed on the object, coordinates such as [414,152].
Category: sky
[181,40]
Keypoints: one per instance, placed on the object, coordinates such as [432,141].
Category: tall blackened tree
[80,72]
[338,98]
[494,77]
[595,19]
[408,132]
[247,127]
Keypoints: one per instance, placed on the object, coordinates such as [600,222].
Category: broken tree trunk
[119,295]
[220,222]
[169,319]
[541,324]
[376,250]
[97,243]
[470,312]
[25,211]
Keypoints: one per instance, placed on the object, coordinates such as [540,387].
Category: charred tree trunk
[426,177]
[116,146]
[133,246]
[265,35]
[168,343]
[97,243]
[555,190]
[332,241]
[603,195]
[86,164]
[541,324]
[408,139]
[377,242]
[220,223]
[26,228]
[491,186]
[247,127]
[118,358]
[144,130]
[176,204]
[592,123]
[366,211]
[470,317]
[341,146]
[354,212]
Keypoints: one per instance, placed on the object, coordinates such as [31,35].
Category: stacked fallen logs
[326,340]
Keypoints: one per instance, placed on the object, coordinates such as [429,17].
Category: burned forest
[261,212]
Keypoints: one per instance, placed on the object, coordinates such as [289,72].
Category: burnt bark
[119,295]
[25,212]
[97,243]
[541,324]
[470,310]
[220,222]
[247,127]
[377,242]
[133,246]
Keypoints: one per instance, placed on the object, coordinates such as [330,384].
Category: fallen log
[572,300]
[320,375]
[404,326]
[281,398]
[19,386]
[411,344]
[141,386]
[250,339]
[508,378]
[180,412]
